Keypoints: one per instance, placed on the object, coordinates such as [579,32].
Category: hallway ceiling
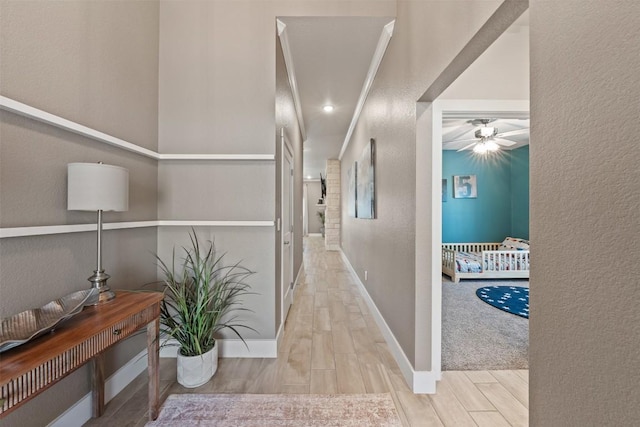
[331,58]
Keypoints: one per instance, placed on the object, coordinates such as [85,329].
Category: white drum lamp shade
[97,187]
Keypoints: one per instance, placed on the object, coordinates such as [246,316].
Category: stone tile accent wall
[332,218]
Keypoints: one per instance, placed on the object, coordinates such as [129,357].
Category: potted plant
[200,299]
[321,217]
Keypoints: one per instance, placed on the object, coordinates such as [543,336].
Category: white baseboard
[80,412]
[295,284]
[423,382]
[256,348]
[279,335]
[233,348]
[314,234]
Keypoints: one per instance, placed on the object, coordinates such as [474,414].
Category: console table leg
[97,385]
[153,347]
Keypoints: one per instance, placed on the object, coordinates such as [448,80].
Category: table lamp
[98,187]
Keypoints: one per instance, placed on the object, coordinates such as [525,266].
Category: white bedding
[471,262]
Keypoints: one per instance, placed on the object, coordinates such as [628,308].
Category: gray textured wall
[220,71]
[585,222]
[420,49]
[217,89]
[94,63]
[246,245]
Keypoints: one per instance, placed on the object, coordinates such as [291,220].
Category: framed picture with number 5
[465,187]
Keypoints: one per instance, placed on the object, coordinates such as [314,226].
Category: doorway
[475,335]
[429,204]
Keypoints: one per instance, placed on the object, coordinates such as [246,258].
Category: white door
[287,227]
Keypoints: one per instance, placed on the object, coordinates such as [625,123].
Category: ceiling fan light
[486,132]
[491,146]
[480,148]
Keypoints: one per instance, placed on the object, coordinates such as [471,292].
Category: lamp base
[99,282]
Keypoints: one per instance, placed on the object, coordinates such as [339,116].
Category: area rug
[277,410]
[512,299]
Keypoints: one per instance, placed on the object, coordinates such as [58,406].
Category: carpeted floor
[477,336]
[278,410]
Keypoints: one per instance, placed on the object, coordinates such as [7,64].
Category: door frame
[286,151]
[429,205]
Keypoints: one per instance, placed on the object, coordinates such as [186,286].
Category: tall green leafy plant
[201,298]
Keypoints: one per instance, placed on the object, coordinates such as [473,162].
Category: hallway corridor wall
[385,247]
[585,200]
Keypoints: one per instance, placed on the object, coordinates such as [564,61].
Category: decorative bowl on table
[29,324]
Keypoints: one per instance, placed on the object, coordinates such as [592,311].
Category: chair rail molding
[79,228]
[217,156]
[36,114]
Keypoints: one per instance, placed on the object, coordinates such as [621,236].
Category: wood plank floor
[331,344]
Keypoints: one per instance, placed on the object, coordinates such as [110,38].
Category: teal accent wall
[502,206]
[520,192]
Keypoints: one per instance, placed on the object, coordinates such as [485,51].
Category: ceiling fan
[487,139]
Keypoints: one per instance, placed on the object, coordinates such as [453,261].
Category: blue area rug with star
[512,299]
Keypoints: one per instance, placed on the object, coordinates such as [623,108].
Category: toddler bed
[506,260]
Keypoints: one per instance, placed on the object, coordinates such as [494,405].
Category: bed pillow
[514,244]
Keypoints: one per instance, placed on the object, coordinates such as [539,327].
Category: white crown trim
[383,42]
[291,73]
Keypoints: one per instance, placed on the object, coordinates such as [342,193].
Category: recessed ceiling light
[328,108]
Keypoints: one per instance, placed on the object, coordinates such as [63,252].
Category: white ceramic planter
[194,371]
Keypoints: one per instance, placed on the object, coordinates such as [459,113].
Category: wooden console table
[31,368]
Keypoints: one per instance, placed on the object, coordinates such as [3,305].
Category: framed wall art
[365,182]
[352,207]
[465,187]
